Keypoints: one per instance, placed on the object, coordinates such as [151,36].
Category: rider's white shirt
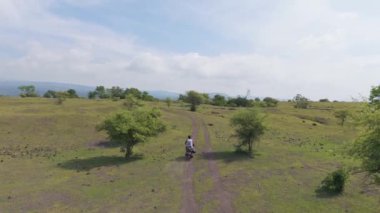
[189,143]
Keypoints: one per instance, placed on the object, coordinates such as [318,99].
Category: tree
[375,97]
[219,100]
[61,97]
[132,127]
[131,102]
[50,94]
[375,92]
[240,102]
[133,91]
[28,91]
[270,102]
[92,95]
[194,99]
[168,102]
[101,92]
[117,92]
[324,100]
[301,102]
[71,93]
[147,97]
[248,126]
[367,145]
[341,115]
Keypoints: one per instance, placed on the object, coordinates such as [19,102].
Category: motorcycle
[189,153]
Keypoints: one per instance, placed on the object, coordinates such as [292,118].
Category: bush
[301,102]
[270,102]
[334,182]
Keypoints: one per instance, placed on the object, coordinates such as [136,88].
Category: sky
[277,48]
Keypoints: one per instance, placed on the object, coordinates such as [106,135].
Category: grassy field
[53,160]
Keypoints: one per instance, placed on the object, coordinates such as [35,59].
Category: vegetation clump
[28,91]
[193,98]
[248,127]
[301,102]
[341,115]
[334,182]
[270,102]
[132,127]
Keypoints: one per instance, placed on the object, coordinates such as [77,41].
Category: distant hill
[10,88]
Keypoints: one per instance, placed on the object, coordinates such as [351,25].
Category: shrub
[248,126]
[334,182]
[301,102]
[270,102]
[132,127]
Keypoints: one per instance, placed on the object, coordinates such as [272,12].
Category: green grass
[51,163]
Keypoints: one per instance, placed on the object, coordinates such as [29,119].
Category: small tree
[341,115]
[270,102]
[133,91]
[194,98]
[334,182]
[219,100]
[375,92]
[367,145]
[61,97]
[248,127]
[132,127]
[50,94]
[71,93]
[102,92]
[301,102]
[28,91]
[168,102]
[131,102]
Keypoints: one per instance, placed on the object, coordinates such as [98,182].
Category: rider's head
[189,137]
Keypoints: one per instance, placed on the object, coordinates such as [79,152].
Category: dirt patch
[102,144]
[219,192]
[28,151]
[188,198]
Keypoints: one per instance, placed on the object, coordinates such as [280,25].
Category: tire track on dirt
[188,203]
[218,192]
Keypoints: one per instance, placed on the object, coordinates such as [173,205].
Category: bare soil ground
[217,193]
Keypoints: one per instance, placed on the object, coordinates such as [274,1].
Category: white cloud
[297,47]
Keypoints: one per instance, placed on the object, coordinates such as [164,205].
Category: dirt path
[188,202]
[218,193]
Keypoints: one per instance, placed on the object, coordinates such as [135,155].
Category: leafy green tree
[219,100]
[101,92]
[133,91]
[131,102]
[132,127]
[301,102]
[375,97]
[324,100]
[116,92]
[168,102]
[28,91]
[61,97]
[92,95]
[367,145]
[249,127]
[71,93]
[50,94]
[240,102]
[270,102]
[375,92]
[147,97]
[194,99]
[334,182]
[341,115]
